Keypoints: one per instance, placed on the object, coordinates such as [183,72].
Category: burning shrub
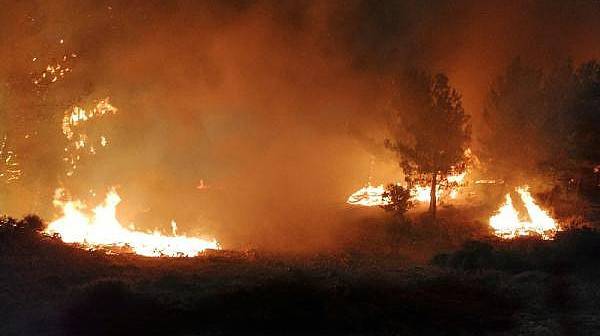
[398,199]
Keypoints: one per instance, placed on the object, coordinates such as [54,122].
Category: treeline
[19,234]
[536,123]
[543,121]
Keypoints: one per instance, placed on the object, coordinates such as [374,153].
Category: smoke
[249,120]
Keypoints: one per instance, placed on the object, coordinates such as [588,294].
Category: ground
[418,278]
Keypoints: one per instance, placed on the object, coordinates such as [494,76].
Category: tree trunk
[433,200]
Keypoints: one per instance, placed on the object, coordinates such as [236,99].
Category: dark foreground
[527,287]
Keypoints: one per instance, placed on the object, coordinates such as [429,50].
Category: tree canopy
[539,121]
[430,127]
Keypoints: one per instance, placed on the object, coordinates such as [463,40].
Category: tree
[586,113]
[32,223]
[430,128]
[514,113]
[543,122]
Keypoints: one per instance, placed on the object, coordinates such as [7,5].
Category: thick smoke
[251,121]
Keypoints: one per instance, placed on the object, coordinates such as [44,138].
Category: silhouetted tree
[19,236]
[430,112]
[586,113]
[514,115]
[542,123]
[31,223]
[399,199]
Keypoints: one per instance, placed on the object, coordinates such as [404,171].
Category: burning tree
[430,129]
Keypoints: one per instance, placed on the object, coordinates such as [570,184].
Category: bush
[399,199]
[111,307]
[578,248]
[31,223]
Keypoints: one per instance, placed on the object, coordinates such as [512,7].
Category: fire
[457,178]
[79,142]
[9,166]
[449,187]
[540,219]
[507,224]
[368,196]
[54,71]
[103,230]
[423,193]
[373,195]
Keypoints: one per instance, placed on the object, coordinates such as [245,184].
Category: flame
[102,229]
[54,71]
[457,178]
[540,220]
[423,193]
[373,195]
[453,193]
[368,196]
[450,188]
[9,166]
[506,222]
[489,182]
[78,141]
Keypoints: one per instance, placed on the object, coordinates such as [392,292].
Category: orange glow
[79,142]
[423,193]
[368,196]
[507,224]
[102,229]
[373,195]
[457,178]
[9,166]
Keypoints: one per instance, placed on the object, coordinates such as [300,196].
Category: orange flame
[506,222]
[373,195]
[102,229]
[368,196]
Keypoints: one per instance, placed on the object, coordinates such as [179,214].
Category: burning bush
[398,199]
